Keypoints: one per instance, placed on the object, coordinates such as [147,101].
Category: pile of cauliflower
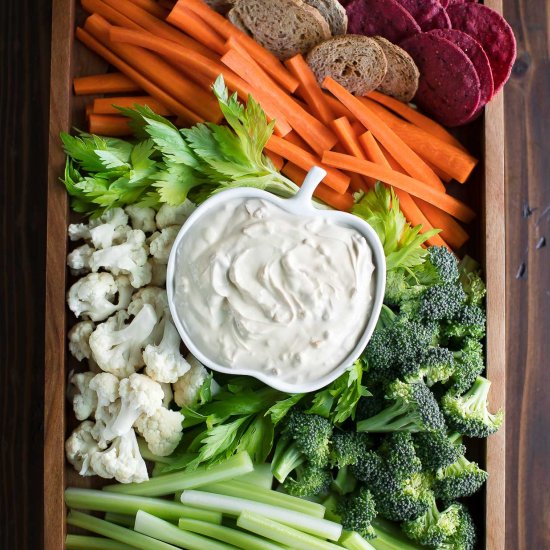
[129,341]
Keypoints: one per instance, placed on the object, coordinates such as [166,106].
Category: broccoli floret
[308,481]
[371,404]
[399,454]
[468,414]
[438,365]
[445,263]
[400,288]
[469,321]
[436,450]
[410,499]
[344,482]
[462,478]
[348,447]
[357,511]
[472,283]
[414,409]
[465,534]
[441,302]
[469,364]
[371,469]
[434,527]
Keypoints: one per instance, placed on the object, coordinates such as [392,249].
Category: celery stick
[283,534]
[88,499]
[354,541]
[121,519]
[232,536]
[261,476]
[162,530]
[81,542]
[267,496]
[116,532]
[234,466]
[233,506]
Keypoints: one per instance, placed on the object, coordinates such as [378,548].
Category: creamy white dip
[261,289]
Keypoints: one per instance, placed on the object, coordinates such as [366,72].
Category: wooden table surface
[24,100]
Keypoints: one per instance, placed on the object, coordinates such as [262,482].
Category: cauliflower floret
[129,258]
[105,386]
[80,447]
[81,231]
[94,296]
[168,394]
[139,395]
[84,399]
[162,431]
[158,298]
[122,460]
[161,243]
[112,229]
[142,218]
[158,272]
[163,362]
[174,215]
[116,347]
[79,340]
[79,259]
[186,389]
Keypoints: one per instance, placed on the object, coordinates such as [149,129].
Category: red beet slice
[429,14]
[472,48]
[449,88]
[386,18]
[494,34]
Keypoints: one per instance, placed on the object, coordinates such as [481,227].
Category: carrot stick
[226,29]
[109,125]
[407,158]
[339,201]
[334,178]
[277,160]
[101,45]
[161,73]
[453,161]
[451,231]
[108,105]
[420,120]
[294,138]
[413,186]
[338,108]
[314,132]
[108,83]
[154,8]
[309,88]
[439,173]
[89,110]
[109,13]
[200,64]
[157,27]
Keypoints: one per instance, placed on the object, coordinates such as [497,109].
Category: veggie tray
[396,445]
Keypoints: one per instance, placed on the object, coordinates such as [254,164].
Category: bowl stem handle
[310,183]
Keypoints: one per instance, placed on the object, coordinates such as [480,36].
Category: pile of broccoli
[401,458]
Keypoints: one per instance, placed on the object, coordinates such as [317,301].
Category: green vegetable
[120,519]
[472,283]
[82,542]
[354,541]
[462,478]
[348,447]
[261,476]
[357,511]
[170,483]
[308,481]
[437,450]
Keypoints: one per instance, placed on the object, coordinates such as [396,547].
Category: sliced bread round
[401,80]
[356,62]
[284,27]
[334,13]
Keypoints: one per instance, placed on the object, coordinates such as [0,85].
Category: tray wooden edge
[56,251]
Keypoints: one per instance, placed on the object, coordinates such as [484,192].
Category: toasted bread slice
[284,27]
[334,13]
[401,80]
[357,62]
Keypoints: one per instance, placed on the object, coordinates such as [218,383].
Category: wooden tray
[485,138]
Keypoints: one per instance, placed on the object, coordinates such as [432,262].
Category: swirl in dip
[260,289]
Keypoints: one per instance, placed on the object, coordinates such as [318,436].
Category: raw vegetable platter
[483,193]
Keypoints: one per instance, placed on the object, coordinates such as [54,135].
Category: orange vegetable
[451,231]
[226,29]
[294,138]
[98,42]
[407,158]
[277,160]
[413,186]
[334,178]
[200,64]
[109,125]
[89,110]
[420,120]
[314,132]
[110,14]
[453,161]
[440,173]
[309,88]
[340,201]
[108,105]
[154,8]
[108,83]
[338,108]
[408,206]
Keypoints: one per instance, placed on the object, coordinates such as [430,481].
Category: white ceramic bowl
[301,205]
